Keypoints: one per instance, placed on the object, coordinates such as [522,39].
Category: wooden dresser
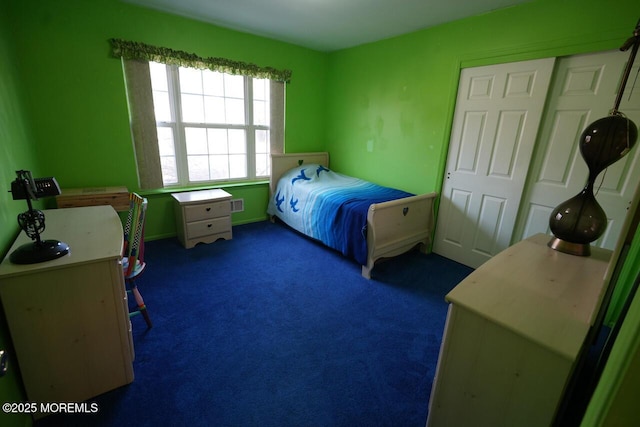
[118,197]
[202,216]
[68,317]
[513,334]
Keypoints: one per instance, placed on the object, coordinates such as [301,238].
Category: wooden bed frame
[393,227]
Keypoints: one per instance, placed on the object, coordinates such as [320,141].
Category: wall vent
[237,205]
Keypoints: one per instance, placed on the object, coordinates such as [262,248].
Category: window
[201,120]
[212,126]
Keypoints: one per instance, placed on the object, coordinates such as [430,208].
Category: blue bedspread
[329,207]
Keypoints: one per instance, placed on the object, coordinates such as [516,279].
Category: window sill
[223,185]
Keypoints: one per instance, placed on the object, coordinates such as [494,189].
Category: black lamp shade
[577,222]
[580,219]
[606,141]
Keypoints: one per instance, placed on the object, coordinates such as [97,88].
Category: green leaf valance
[141,51]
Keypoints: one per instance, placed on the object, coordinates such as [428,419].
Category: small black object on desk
[25,187]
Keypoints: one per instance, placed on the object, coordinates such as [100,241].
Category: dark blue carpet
[273,329]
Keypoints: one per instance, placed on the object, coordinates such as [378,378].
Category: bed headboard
[280,163]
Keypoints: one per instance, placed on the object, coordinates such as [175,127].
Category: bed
[362,220]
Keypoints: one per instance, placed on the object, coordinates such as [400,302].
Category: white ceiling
[327,25]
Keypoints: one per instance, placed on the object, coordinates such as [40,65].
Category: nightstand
[202,216]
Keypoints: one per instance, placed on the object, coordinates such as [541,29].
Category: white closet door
[498,112]
[583,90]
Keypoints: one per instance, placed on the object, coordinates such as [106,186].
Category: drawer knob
[209,225]
[208,209]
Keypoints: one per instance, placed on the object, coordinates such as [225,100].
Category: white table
[68,317]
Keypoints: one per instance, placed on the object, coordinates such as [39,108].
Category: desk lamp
[32,221]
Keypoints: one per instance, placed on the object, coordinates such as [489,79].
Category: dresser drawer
[208,227]
[207,210]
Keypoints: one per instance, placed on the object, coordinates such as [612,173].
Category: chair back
[133,249]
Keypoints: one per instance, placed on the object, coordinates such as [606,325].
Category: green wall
[391,103]
[75,91]
[16,152]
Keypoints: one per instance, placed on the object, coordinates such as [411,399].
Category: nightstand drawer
[207,210]
[208,227]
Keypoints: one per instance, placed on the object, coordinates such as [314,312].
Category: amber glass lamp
[580,220]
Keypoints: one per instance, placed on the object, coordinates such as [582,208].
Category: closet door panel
[583,90]
[497,117]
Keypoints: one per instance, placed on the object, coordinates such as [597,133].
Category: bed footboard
[397,226]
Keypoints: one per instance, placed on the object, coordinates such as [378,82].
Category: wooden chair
[133,252]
